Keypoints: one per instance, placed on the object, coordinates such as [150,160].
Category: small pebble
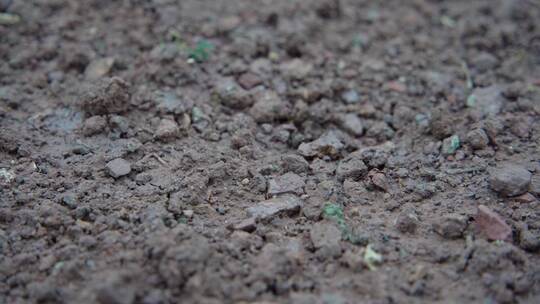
[118,167]
[510,179]
[350,96]
[167,130]
[94,125]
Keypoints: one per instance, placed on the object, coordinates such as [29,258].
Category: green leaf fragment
[448,21]
[335,213]
[467,72]
[202,51]
[9,19]
[471,101]
[333,210]
[359,41]
[450,145]
[197,114]
[372,258]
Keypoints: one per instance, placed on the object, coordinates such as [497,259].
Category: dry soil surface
[240,151]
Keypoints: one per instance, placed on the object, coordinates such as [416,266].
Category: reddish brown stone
[525,198]
[492,225]
[396,87]
[378,179]
[249,80]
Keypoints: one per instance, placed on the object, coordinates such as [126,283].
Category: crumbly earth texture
[290,151]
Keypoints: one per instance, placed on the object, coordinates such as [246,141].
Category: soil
[353,151]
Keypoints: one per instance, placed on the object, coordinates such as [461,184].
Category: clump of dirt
[106,97]
[325,151]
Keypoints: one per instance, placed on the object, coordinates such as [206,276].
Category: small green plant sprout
[334,213]
[201,52]
[372,258]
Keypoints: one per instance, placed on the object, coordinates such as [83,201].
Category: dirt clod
[450,227]
[322,151]
[478,139]
[106,96]
[326,239]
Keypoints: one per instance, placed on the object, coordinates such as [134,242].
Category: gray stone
[351,123]
[119,123]
[248,225]
[94,125]
[326,239]
[287,183]
[294,163]
[269,107]
[350,96]
[375,156]
[296,69]
[322,167]
[118,167]
[381,131]
[230,94]
[283,204]
[328,144]
[403,115]
[510,179]
[98,68]
[351,167]
[169,103]
[70,201]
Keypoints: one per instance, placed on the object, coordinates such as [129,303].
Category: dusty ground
[159,151]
